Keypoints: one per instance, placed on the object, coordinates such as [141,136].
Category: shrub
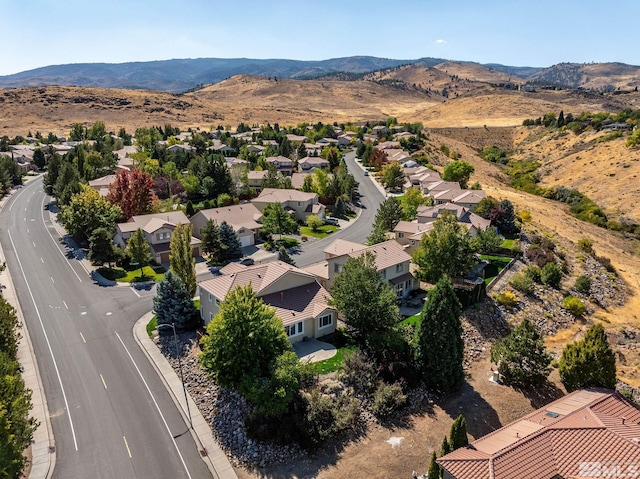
[586,245]
[574,305]
[328,416]
[606,263]
[583,284]
[538,256]
[521,282]
[524,216]
[551,275]
[359,371]
[506,299]
[534,273]
[387,399]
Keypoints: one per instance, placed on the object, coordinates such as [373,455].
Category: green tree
[487,242]
[314,222]
[231,247]
[367,303]
[459,171]
[434,469]
[138,249]
[51,176]
[446,250]
[172,302]
[485,205]
[284,256]
[393,176]
[389,214]
[9,326]
[88,211]
[275,220]
[439,346]
[458,434]
[39,159]
[102,248]
[589,362]
[377,235]
[410,201]
[211,243]
[182,262]
[246,324]
[67,184]
[522,357]
[445,448]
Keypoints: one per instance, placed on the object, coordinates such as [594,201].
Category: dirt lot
[396,451]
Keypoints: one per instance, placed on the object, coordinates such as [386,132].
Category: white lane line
[42,260]
[65,304]
[82,336]
[46,337]
[34,245]
[51,277]
[156,404]
[103,383]
[28,231]
[126,444]
[54,241]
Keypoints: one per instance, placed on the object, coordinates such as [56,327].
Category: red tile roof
[591,425]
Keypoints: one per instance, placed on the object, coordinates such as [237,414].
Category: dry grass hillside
[599,76]
[475,72]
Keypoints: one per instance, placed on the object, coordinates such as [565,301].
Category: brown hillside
[475,72]
[599,76]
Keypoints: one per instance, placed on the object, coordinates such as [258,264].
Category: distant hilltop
[181,75]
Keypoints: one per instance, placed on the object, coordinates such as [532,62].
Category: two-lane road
[111,414]
[370,199]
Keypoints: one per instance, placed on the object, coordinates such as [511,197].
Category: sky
[37,33]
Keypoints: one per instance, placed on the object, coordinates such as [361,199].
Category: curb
[211,453]
[43,455]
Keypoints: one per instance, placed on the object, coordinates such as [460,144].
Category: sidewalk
[212,454]
[43,455]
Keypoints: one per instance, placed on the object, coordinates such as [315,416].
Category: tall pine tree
[439,346]
[181,258]
[231,247]
[172,302]
[211,243]
[434,469]
[458,435]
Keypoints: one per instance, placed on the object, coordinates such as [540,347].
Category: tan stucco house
[299,300]
[243,218]
[298,202]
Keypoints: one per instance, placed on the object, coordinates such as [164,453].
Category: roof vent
[552,414]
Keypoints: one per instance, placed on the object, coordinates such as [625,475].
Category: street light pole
[184,389]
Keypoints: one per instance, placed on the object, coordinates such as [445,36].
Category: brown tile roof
[299,303]
[275,195]
[261,276]
[387,254]
[341,247]
[244,215]
[141,221]
[591,425]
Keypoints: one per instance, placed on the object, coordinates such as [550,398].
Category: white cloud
[440,41]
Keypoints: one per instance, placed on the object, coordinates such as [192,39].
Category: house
[379,130]
[222,149]
[392,262]
[327,142]
[469,198]
[178,147]
[409,234]
[617,126]
[297,138]
[256,179]
[421,175]
[243,218]
[299,300]
[157,229]
[429,214]
[282,164]
[388,145]
[259,149]
[297,202]
[102,184]
[297,179]
[313,149]
[588,433]
[23,157]
[345,139]
[312,162]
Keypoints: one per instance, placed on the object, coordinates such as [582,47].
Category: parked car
[246,261]
[366,173]
[331,221]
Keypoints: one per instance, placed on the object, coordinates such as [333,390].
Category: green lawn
[496,264]
[322,232]
[508,243]
[335,363]
[121,275]
[411,320]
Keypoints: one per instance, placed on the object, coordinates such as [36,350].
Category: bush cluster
[583,284]
[574,305]
[506,299]
[523,283]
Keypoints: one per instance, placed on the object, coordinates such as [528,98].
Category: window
[163,236]
[399,268]
[210,297]
[413,242]
[210,315]
[299,203]
[337,268]
[325,321]
[294,329]
[384,274]
[218,302]
[400,235]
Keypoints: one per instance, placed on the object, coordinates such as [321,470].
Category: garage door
[246,240]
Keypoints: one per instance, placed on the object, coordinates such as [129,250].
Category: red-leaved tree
[133,192]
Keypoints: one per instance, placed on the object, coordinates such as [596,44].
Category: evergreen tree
[275,220]
[189,210]
[458,435]
[211,243]
[377,235]
[438,344]
[67,177]
[445,448]
[389,214]
[505,221]
[138,249]
[589,362]
[39,159]
[434,469]
[521,356]
[102,248]
[561,119]
[284,256]
[183,264]
[172,302]
[231,247]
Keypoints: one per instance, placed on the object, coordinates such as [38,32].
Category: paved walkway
[313,350]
